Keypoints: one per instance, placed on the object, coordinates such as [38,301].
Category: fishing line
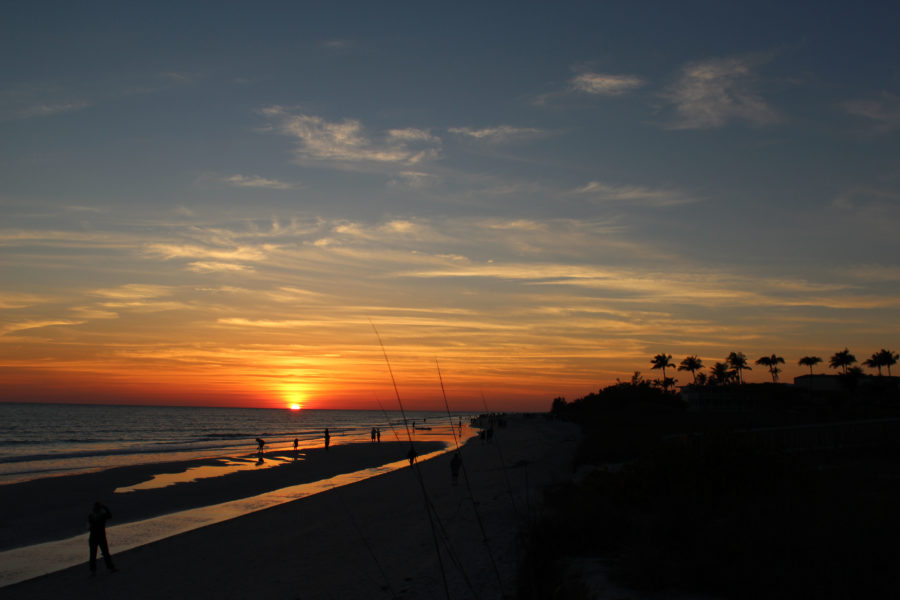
[484,536]
[412,465]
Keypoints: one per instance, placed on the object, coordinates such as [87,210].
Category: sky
[496,203]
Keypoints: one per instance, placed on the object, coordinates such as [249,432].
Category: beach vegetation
[738,362]
[842,360]
[771,362]
[663,361]
[666,500]
[693,364]
[809,361]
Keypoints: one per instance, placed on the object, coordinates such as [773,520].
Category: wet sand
[372,539]
[56,507]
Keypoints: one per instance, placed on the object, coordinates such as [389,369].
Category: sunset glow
[535,209]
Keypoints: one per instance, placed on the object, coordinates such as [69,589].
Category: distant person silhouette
[455,464]
[374,434]
[378,435]
[411,455]
[261,443]
[296,441]
[97,520]
[327,438]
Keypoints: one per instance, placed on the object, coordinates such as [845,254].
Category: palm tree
[738,362]
[692,364]
[842,360]
[809,361]
[720,374]
[888,359]
[772,363]
[874,362]
[662,361]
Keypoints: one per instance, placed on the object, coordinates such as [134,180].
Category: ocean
[45,440]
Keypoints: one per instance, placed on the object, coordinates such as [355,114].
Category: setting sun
[295,406]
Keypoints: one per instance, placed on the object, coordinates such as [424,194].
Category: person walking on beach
[455,464]
[97,521]
[261,443]
[296,441]
[327,438]
[411,455]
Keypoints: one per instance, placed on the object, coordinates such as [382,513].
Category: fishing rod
[434,535]
[484,536]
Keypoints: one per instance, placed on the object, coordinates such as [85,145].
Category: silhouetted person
[261,443]
[373,434]
[378,435]
[411,455]
[97,520]
[327,438]
[455,464]
[296,441]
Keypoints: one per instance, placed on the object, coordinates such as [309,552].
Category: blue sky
[561,187]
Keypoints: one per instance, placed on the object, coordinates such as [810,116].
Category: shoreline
[55,508]
[369,539]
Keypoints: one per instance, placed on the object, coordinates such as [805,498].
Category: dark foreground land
[781,501]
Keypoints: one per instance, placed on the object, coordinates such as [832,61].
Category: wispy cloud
[347,142]
[498,134]
[217,267]
[193,251]
[414,179]
[712,92]
[46,110]
[633,194]
[255,181]
[605,84]
[883,112]
[25,325]
[134,291]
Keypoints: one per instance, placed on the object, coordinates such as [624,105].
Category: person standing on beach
[411,455]
[455,464]
[296,442]
[373,434]
[97,521]
[327,438]
[261,442]
[378,434]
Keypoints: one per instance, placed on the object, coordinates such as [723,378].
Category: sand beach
[410,533]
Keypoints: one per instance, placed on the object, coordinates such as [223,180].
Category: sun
[294,406]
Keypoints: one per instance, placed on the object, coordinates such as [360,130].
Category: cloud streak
[255,181]
[604,84]
[347,142]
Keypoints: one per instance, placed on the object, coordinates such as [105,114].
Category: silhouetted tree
[842,360]
[720,374]
[559,406]
[809,361]
[738,362]
[874,362]
[663,361]
[692,364]
[772,363]
[888,359]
